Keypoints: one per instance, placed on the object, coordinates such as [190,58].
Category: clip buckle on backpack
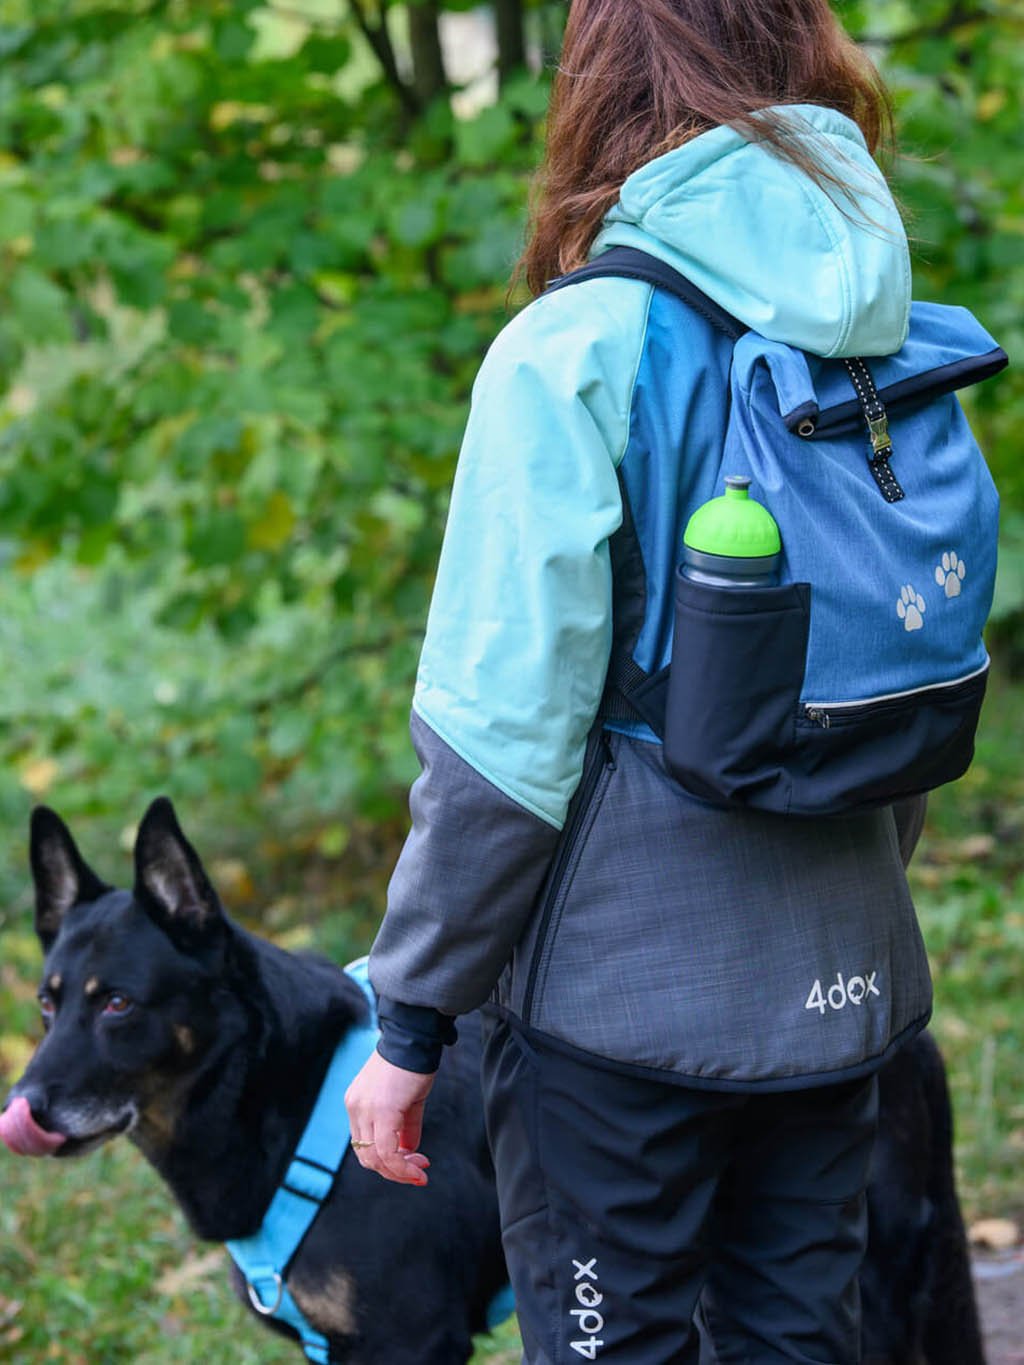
[858,678]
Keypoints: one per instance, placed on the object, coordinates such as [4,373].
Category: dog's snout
[38,1101]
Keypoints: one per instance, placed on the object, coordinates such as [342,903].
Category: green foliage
[957,71]
[968,884]
[130,1285]
[241,306]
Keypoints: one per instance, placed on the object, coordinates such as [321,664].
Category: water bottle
[732,541]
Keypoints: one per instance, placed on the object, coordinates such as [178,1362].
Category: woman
[672,1115]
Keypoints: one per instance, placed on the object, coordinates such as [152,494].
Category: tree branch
[959,15]
[429,76]
[380,41]
[316,21]
[298,688]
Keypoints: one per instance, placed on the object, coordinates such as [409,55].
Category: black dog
[207,1046]
[916,1285]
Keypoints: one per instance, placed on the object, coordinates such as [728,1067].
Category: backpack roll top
[947,349]
[858,678]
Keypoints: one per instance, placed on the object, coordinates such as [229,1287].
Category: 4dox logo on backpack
[853,992]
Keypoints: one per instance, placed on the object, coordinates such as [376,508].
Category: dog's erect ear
[62,876]
[169,878]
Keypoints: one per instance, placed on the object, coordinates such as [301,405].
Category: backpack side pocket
[738,661]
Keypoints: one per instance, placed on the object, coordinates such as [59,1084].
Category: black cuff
[413,1036]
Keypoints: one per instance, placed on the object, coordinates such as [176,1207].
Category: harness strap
[264,1257]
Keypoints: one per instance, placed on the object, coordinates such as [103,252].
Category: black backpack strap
[626,679]
[631,693]
[632,264]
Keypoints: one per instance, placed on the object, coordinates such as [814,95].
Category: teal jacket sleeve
[517,642]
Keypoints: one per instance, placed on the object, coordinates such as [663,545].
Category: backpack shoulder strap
[630,693]
[632,264]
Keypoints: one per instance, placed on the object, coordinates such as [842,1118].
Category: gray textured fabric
[909,816]
[689,939]
[463,887]
[676,936]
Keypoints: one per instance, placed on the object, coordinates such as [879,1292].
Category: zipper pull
[609,757]
[819,717]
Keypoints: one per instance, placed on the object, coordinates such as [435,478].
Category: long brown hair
[640,77]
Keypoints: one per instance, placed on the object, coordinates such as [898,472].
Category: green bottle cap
[734,525]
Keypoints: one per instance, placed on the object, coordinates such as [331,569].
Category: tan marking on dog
[329,1306]
[92,986]
[55,982]
[186,1038]
[154,1131]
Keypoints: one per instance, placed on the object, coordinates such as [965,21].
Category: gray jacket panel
[719,947]
[791,951]
[463,888]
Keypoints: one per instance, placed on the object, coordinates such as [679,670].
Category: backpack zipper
[827,714]
[601,763]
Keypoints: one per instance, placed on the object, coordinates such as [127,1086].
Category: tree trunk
[552,26]
[511,29]
[429,77]
[380,42]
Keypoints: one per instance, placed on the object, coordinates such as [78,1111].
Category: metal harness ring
[258,1303]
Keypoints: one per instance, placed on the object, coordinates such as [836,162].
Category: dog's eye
[117,1004]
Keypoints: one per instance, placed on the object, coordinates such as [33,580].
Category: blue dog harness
[264,1257]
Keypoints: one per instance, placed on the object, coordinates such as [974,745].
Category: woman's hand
[385,1108]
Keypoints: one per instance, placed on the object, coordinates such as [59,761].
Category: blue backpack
[859,678]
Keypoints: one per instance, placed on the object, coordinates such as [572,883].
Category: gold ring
[353,1143]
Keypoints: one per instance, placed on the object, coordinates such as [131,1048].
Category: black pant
[625,1201]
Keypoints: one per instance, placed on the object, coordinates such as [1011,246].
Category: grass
[968,883]
[98,1268]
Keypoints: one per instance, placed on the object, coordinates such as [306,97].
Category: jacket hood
[826,272]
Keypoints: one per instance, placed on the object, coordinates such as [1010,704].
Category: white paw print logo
[910,608]
[950,573]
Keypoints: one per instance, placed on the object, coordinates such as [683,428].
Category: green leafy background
[250,257]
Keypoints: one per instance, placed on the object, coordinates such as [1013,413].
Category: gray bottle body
[730,571]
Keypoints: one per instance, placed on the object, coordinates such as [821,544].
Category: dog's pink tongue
[22,1135]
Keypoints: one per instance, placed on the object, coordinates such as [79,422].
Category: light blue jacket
[643,930]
